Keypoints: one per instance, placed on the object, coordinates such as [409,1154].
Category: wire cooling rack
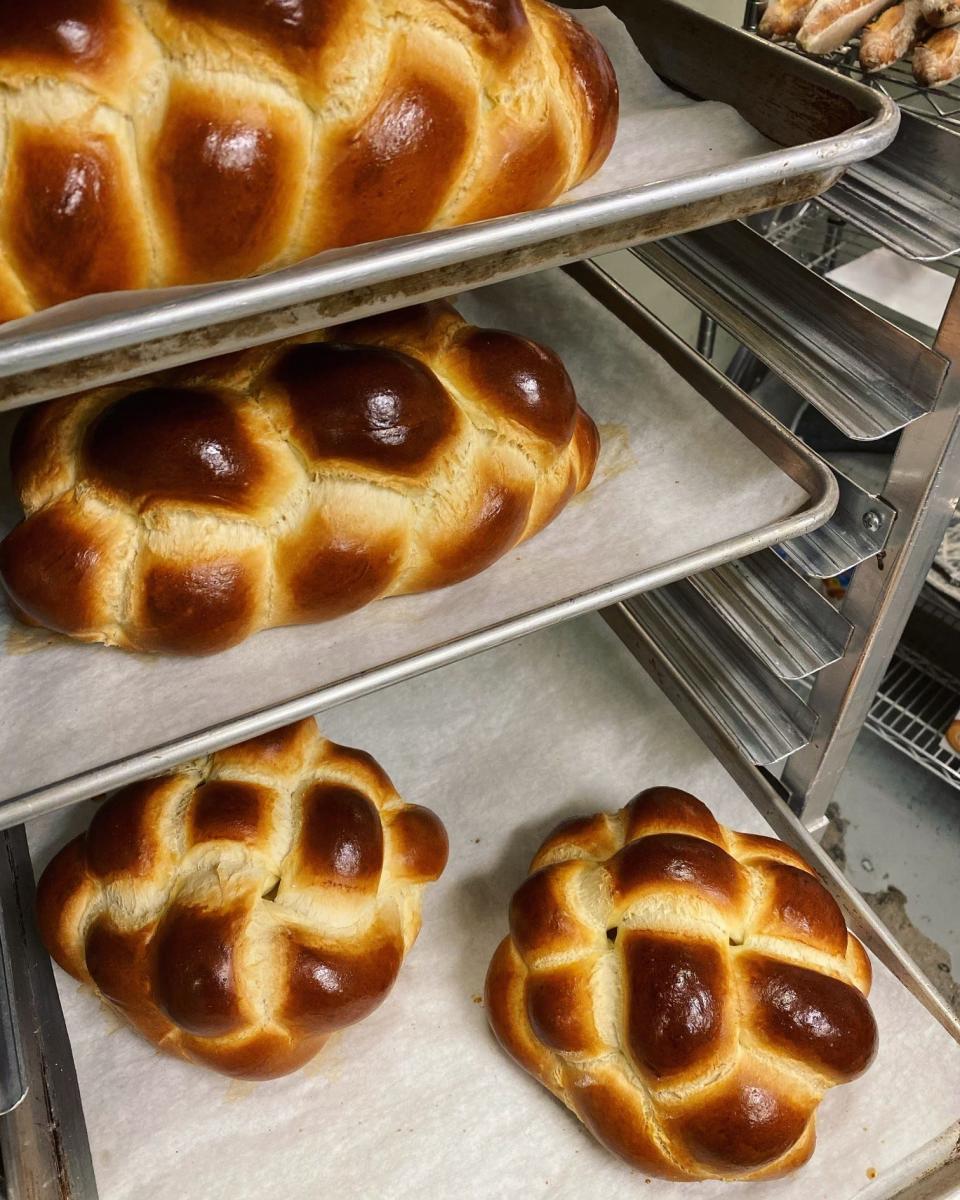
[940,105]
[915,704]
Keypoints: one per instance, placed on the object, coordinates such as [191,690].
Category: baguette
[936,62]
[830,23]
[941,13]
[782,19]
[890,36]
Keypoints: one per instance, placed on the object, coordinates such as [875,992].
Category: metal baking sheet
[691,473]
[418,1100]
[776,129]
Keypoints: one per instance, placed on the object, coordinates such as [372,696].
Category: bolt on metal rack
[763,667]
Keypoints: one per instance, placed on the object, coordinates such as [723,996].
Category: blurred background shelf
[915,704]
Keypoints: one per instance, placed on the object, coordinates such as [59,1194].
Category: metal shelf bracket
[865,375]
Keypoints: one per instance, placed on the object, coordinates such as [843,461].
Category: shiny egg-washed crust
[689,992]
[145,143]
[241,910]
[292,483]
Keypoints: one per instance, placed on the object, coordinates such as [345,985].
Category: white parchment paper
[418,1101]
[662,135]
[674,477]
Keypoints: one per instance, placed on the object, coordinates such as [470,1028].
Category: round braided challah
[241,910]
[292,483]
[145,143]
[689,992]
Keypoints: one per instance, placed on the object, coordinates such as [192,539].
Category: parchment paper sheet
[673,477]
[662,135]
[418,1101]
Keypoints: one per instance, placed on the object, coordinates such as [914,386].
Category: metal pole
[923,487]
[43,1141]
[751,15]
[706,336]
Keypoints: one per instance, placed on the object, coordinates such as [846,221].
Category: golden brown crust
[680,1006]
[782,19]
[241,910]
[808,1015]
[292,483]
[66,220]
[163,142]
[891,35]
[227,181]
[744,1124]
[936,60]
[688,991]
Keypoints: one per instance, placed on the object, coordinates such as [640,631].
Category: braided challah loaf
[241,910]
[689,992]
[292,483]
[153,142]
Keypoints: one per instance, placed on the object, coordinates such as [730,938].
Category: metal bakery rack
[715,604]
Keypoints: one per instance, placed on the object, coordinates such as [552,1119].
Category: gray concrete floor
[895,829]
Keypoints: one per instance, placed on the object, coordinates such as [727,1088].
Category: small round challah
[689,992]
[242,909]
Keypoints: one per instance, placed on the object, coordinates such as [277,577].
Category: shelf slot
[905,197]
[759,712]
[858,530]
[865,375]
[787,623]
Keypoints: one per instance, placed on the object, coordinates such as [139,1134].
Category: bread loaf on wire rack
[240,910]
[145,143]
[890,36]
[936,60]
[689,992]
[291,483]
[781,19]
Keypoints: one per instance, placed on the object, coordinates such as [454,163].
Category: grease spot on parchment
[616,454]
[330,1062]
[239,1089]
[113,1020]
[26,639]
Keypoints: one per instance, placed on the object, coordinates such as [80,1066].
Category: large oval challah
[242,909]
[145,143]
[689,992]
[292,483]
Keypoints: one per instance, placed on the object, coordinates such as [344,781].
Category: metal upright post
[43,1140]
[923,487]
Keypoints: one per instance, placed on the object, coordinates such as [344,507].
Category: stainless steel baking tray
[818,121]
[692,473]
[418,1100]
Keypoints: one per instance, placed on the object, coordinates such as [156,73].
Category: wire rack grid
[940,105]
[915,704]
